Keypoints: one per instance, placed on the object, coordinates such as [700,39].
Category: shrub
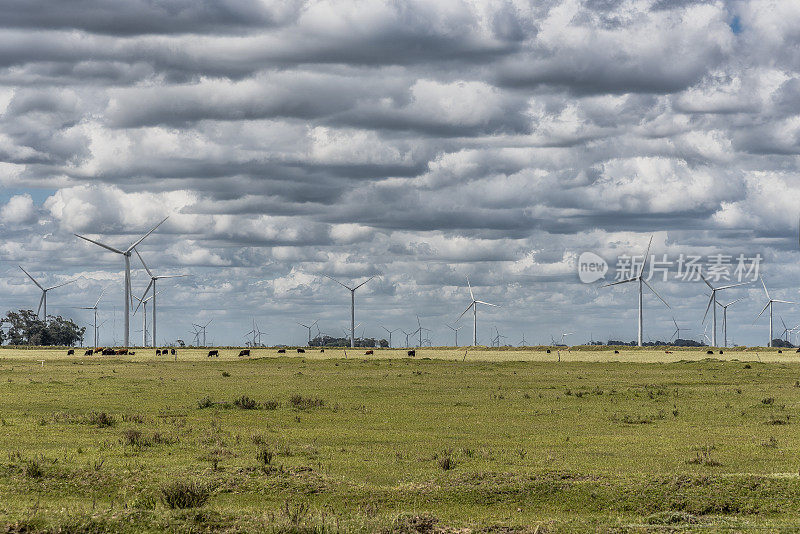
[32,468]
[205,402]
[181,495]
[134,438]
[226,374]
[304,403]
[264,455]
[102,419]
[245,403]
[271,405]
[446,463]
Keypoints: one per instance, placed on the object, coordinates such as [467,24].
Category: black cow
[301,351]
[281,351]
[173,352]
[244,352]
[213,353]
[70,352]
[88,352]
[158,352]
[548,351]
[616,352]
[108,352]
[709,352]
[412,353]
[323,350]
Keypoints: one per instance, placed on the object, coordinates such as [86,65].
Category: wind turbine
[127,255]
[143,302]
[565,334]
[43,300]
[352,306]
[94,308]
[420,329]
[455,331]
[407,335]
[522,343]
[474,306]
[203,330]
[770,302]
[390,334]
[711,300]
[785,333]
[346,333]
[153,279]
[309,327]
[640,278]
[677,333]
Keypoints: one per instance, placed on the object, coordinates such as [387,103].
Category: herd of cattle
[108,351]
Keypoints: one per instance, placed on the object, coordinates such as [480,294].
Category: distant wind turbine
[770,302]
[309,327]
[474,306]
[127,255]
[390,334]
[455,331]
[153,280]
[352,306]
[713,300]
[677,333]
[640,278]
[43,299]
[94,308]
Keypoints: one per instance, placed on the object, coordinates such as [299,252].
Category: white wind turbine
[309,327]
[127,255]
[153,280]
[769,303]
[713,300]
[455,331]
[43,299]
[474,306]
[143,302]
[640,278]
[202,329]
[352,306]
[408,334]
[677,333]
[94,308]
[390,332]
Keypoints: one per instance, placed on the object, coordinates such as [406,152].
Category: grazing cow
[88,352]
[720,352]
[281,351]
[798,350]
[368,353]
[301,351]
[70,352]
[709,352]
[548,351]
[122,351]
[616,352]
[213,353]
[244,352]
[412,353]
[323,350]
[780,351]
[173,352]
[98,349]
[668,352]
[131,353]
[108,352]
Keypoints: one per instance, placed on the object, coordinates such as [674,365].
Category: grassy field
[490,441]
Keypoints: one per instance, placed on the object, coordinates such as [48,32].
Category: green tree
[25,328]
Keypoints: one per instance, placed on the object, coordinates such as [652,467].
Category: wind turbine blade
[762,311]
[487,303]
[32,279]
[765,287]
[338,282]
[471,304]
[147,234]
[733,285]
[98,243]
[644,261]
[710,301]
[41,300]
[655,293]
[146,268]
[784,324]
[364,282]
[160,277]
[676,322]
[707,282]
[208,323]
[59,285]
[101,296]
[470,289]
[620,282]
[784,301]
[734,302]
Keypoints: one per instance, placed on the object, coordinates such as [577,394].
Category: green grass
[322,443]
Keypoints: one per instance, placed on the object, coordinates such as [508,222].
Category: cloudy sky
[419,141]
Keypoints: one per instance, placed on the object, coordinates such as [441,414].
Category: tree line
[24,327]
